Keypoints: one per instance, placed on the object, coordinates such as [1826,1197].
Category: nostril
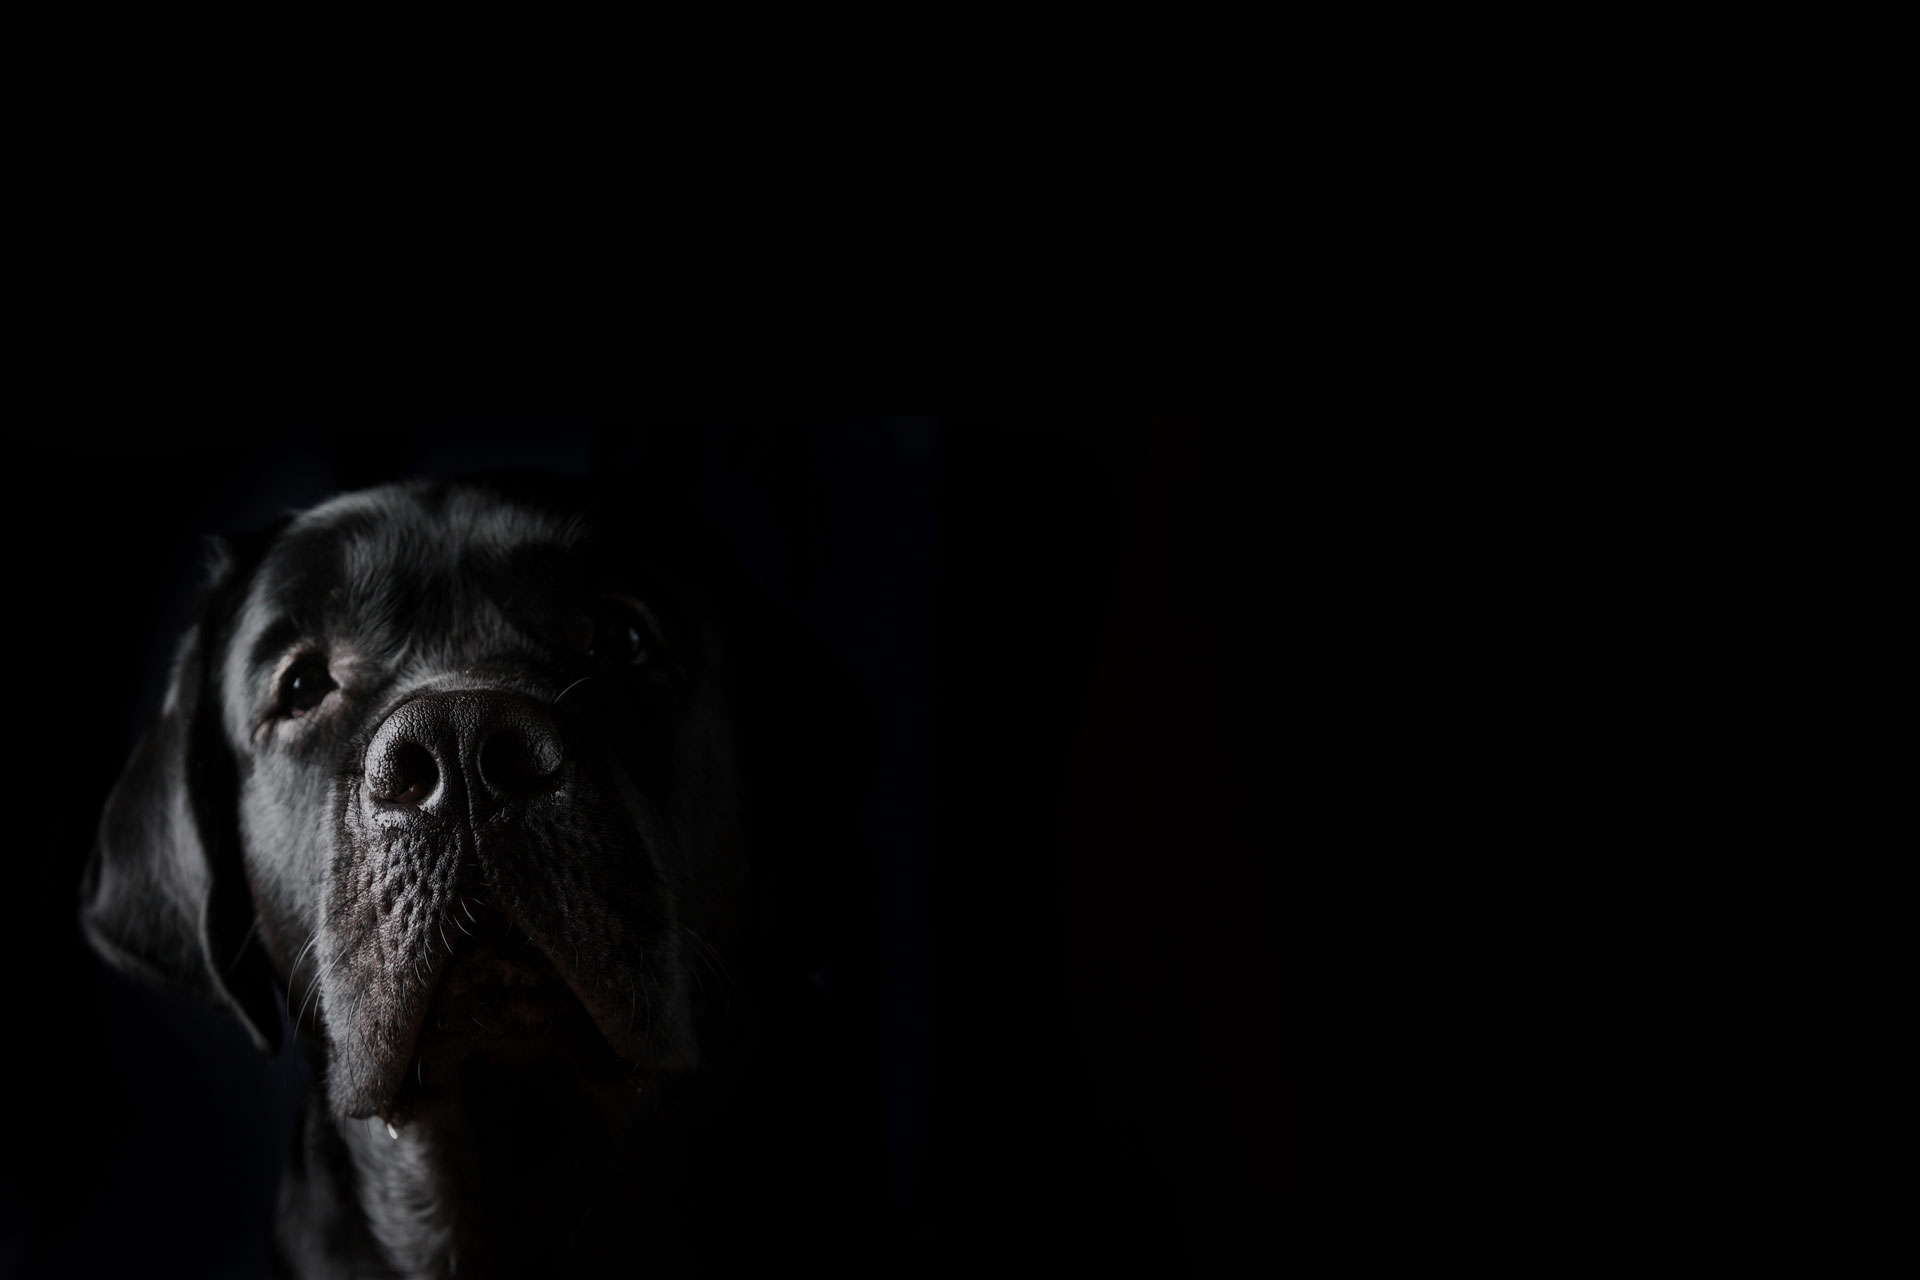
[410,776]
[472,749]
[511,762]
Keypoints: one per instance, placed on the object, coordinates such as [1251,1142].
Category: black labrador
[459,781]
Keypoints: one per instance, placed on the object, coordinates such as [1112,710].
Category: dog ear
[165,896]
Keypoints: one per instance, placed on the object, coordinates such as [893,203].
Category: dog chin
[498,1004]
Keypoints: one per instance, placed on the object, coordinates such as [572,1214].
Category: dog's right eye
[305,687]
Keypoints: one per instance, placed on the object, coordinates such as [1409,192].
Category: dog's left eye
[619,639]
[305,686]
[621,634]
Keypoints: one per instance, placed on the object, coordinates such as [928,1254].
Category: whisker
[569,689]
[716,963]
[246,937]
[302,954]
[293,970]
[314,986]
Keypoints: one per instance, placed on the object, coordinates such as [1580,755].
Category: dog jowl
[445,774]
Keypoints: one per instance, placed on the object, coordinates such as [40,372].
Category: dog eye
[305,686]
[619,640]
[620,635]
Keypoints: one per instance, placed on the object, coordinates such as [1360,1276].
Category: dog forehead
[359,539]
[392,564]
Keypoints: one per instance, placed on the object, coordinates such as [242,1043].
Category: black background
[1076,1052]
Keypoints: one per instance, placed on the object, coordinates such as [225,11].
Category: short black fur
[537,902]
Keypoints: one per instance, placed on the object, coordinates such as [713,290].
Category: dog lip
[499,987]
[496,987]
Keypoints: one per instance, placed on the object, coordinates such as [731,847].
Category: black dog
[457,776]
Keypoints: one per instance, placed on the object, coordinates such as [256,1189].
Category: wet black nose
[479,748]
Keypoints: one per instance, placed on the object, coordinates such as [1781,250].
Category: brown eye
[305,686]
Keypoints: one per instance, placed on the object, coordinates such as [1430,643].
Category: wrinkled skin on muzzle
[565,875]
[421,809]
[448,778]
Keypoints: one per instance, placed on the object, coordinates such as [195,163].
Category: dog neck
[513,1174]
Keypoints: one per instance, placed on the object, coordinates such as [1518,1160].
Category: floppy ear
[165,896]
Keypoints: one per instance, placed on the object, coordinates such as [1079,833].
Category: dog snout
[486,747]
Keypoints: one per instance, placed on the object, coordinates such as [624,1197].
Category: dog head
[447,772]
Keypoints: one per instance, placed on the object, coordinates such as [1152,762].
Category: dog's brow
[272,641]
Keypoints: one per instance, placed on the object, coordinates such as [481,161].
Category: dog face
[448,770]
